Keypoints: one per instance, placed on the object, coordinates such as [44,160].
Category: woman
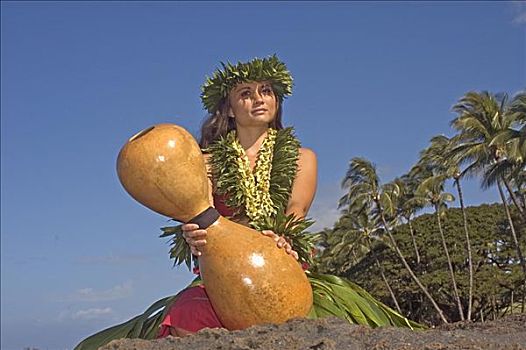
[248,114]
[260,177]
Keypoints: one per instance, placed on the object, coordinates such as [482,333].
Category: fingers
[295,255]
[195,246]
[189,227]
[195,251]
[270,234]
[195,237]
[288,249]
[193,232]
[281,242]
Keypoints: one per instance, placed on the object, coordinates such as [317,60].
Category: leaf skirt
[332,296]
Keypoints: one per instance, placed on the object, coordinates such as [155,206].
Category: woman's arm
[194,236]
[302,195]
[304,186]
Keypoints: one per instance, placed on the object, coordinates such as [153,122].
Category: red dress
[192,310]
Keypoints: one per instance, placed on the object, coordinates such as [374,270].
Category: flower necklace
[255,187]
[261,195]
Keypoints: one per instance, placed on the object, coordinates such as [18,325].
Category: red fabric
[221,207]
[191,311]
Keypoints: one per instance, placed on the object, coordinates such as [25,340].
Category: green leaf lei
[281,168]
[246,193]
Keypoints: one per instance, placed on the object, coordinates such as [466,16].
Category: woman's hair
[219,124]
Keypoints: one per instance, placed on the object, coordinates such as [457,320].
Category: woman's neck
[251,139]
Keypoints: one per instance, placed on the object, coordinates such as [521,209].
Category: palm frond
[361,171]
[496,172]
[336,296]
[180,251]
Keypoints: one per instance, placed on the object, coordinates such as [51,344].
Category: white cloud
[520,18]
[325,206]
[326,219]
[92,314]
[89,294]
[519,12]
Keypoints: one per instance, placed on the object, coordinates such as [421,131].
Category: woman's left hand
[281,242]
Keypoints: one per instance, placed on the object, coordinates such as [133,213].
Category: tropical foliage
[440,267]
[497,274]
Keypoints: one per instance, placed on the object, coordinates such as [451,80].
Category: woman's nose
[257,96]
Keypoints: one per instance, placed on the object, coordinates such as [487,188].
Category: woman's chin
[255,122]
[262,117]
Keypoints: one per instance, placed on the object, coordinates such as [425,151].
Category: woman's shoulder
[306,154]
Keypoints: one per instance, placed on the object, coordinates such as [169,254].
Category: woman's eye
[267,90]
[245,93]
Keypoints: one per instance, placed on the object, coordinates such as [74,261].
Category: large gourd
[247,278]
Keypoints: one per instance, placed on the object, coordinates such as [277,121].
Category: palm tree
[437,157]
[344,247]
[482,118]
[364,191]
[514,137]
[406,210]
[360,230]
[431,192]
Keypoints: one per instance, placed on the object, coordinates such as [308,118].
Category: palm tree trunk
[468,247]
[512,228]
[414,240]
[523,198]
[380,267]
[511,311]
[449,264]
[408,268]
[514,198]
[493,308]
[515,240]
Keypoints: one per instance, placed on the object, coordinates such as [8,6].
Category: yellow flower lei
[261,195]
[256,186]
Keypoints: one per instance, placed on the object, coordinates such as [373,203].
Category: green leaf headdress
[271,69]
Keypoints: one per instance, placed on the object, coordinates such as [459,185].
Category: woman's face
[253,103]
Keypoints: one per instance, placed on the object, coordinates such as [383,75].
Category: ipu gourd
[248,279]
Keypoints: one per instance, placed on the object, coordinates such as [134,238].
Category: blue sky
[372,79]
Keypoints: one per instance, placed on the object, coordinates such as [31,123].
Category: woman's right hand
[195,237]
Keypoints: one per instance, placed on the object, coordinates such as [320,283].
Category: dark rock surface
[333,333]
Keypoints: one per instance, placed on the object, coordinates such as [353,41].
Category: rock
[332,333]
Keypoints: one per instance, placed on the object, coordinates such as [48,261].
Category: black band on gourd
[206,218]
